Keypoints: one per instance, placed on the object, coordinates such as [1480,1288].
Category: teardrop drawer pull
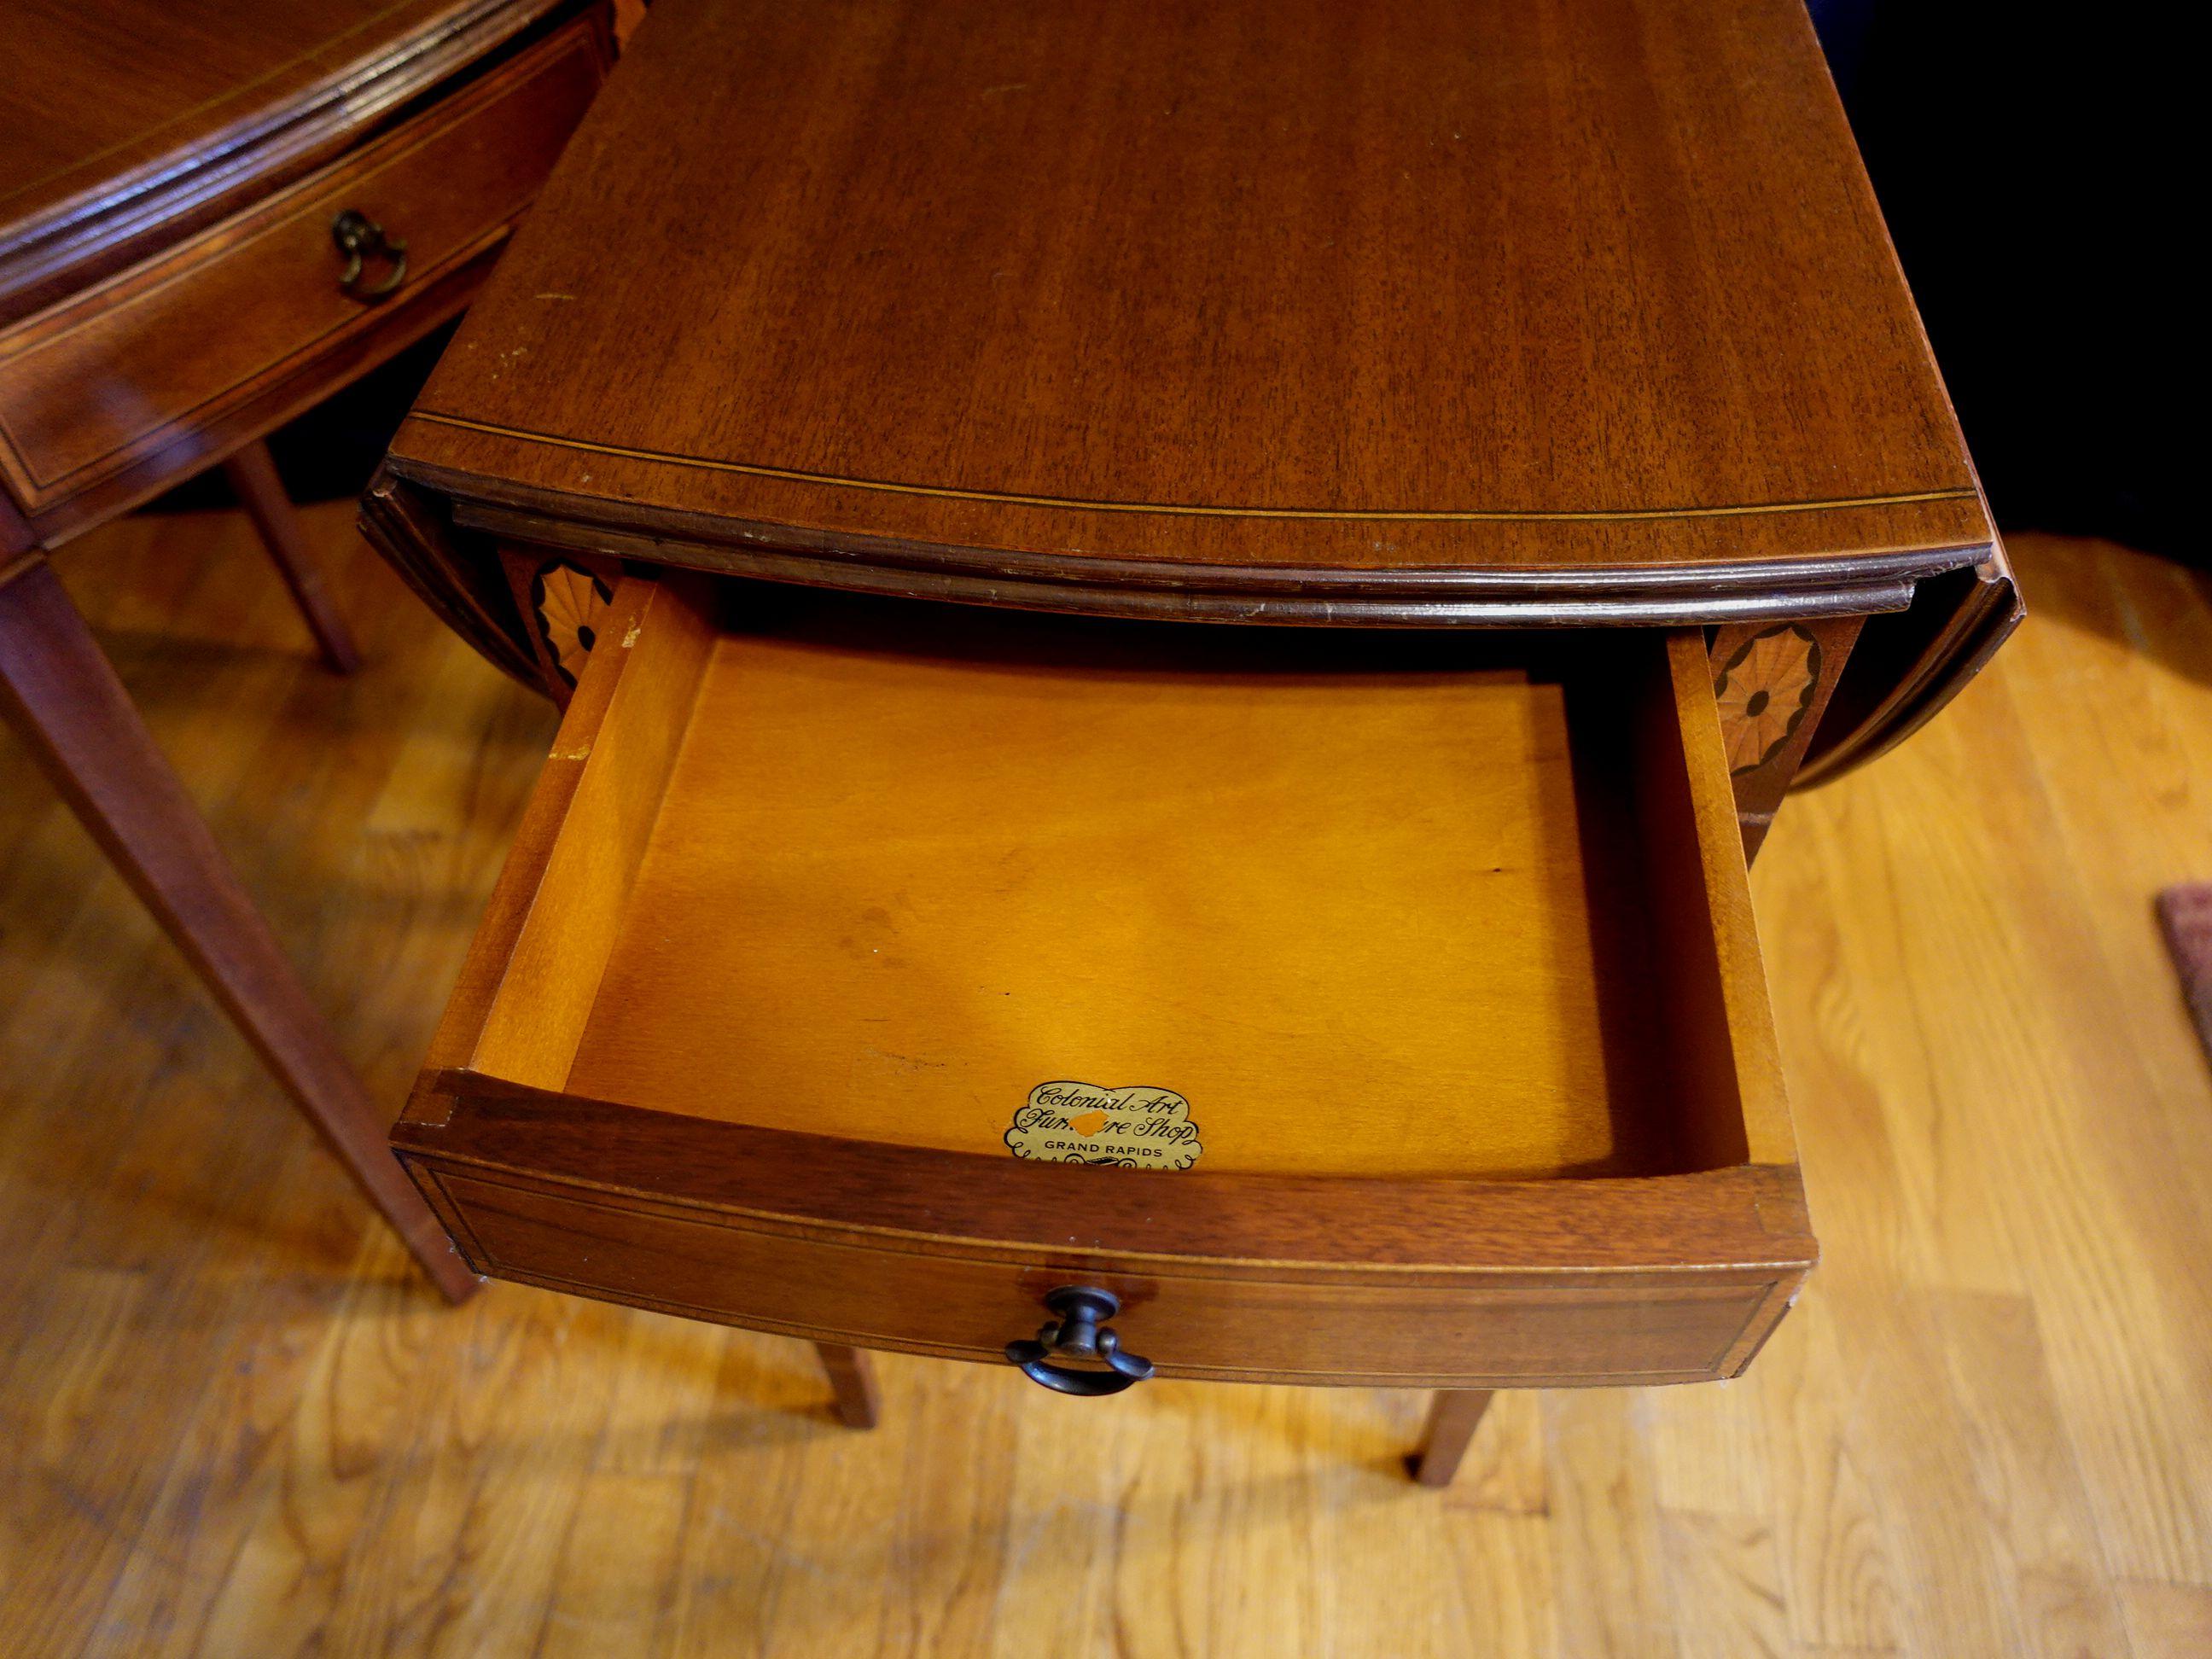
[1080,1332]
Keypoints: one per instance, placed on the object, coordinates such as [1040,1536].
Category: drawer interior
[1463,905]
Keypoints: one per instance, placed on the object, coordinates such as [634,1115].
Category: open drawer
[1355,1007]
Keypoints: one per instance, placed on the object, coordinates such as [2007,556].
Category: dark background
[2029,159]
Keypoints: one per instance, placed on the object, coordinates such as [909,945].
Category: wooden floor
[231,1424]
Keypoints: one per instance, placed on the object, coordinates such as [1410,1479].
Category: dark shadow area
[2028,160]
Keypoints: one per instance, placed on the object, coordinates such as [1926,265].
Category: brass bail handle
[1080,1332]
[359,238]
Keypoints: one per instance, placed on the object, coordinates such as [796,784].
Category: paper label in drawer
[1135,1126]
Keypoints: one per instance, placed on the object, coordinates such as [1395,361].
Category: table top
[1377,304]
[125,119]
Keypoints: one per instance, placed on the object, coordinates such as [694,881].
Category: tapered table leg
[62,697]
[854,1380]
[253,479]
[1453,1419]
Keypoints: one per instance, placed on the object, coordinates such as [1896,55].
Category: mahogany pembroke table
[1175,622]
[213,215]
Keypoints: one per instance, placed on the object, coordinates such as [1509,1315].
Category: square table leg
[1453,1419]
[62,696]
[253,480]
[854,1380]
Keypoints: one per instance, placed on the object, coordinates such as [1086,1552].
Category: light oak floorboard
[233,1422]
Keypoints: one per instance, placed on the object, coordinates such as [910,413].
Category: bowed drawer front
[1354,1008]
[246,320]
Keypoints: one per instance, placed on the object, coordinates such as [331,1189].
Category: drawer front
[1564,1329]
[145,363]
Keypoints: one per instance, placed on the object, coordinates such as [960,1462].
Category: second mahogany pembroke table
[1175,622]
[213,216]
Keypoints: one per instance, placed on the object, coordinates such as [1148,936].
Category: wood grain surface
[132,121]
[1773,683]
[253,477]
[234,1422]
[1368,304]
[141,380]
[1335,895]
[61,697]
[668,1078]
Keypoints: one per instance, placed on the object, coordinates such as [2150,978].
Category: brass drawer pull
[360,238]
[1080,1333]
